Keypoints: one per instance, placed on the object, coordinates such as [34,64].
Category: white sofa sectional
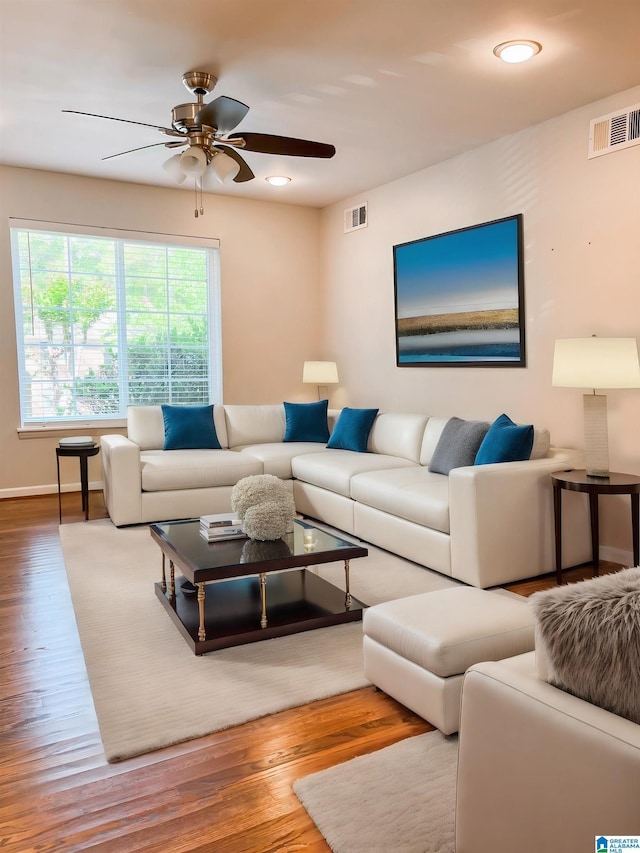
[484,525]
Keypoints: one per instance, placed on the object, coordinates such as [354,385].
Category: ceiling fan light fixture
[208,180]
[277,180]
[517,50]
[193,161]
[173,168]
[225,168]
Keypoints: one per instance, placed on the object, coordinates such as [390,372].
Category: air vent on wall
[614,131]
[355,218]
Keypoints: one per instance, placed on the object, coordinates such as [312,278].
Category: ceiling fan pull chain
[195,192]
[201,205]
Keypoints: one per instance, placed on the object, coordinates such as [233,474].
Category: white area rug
[148,687]
[399,799]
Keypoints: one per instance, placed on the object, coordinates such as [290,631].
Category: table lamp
[596,363]
[320,373]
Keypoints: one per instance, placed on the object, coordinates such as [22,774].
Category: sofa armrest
[501,520]
[538,768]
[122,477]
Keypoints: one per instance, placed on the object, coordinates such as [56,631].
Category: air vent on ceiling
[614,131]
[356,217]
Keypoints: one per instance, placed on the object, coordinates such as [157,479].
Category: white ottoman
[417,649]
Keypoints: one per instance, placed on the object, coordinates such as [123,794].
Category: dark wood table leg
[635,527]
[557,516]
[59,498]
[595,533]
[84,486]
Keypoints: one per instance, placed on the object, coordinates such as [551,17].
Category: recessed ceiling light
[277,180]
[517,50]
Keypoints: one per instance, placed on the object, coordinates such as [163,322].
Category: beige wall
[270,294]
[295,287]
[582,277]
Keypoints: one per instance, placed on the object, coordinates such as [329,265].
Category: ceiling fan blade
[266,143]
[142,147]
[245,173]
[168,130]
[222,113]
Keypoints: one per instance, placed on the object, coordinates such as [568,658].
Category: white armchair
[540,769]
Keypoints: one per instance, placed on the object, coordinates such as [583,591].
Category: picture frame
[459,297]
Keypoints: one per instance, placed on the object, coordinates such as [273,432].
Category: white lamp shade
[320,372]
[225,167]
[208,180]
[193,161]
[596,363]
[173,168]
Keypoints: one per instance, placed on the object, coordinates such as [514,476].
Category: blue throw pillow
[307,421]
[189,428]
[352,429]
[505,442]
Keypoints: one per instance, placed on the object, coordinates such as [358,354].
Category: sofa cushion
[254,424]
[505,442]
[276,457]
[395,434]
[414,494]
[306,421]
[589,634]
[541,443]
[431,437]
[333,469]
[189,428]
[458,445]
[145,426]
[168,470]
[352,429]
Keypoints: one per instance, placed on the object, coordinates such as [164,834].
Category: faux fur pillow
[590,635]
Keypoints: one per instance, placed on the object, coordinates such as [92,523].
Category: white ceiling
[395,85]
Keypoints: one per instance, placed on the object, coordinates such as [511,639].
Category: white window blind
[110,319]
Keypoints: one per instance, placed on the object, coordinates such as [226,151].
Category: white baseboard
[616,555]
[46,489]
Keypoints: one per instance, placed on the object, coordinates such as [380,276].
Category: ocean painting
[459,297]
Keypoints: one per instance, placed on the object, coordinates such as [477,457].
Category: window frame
[30,427]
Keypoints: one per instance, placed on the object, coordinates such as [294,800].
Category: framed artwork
[459,297]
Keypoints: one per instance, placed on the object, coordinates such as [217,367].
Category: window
[109,319]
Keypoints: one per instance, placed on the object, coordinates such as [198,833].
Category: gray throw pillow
[457,445]
[589,633]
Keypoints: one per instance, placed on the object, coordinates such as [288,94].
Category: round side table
[83,453]
[614,484]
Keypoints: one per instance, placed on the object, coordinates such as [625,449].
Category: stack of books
[215,528]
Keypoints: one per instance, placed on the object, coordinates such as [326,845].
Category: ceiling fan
[211,150]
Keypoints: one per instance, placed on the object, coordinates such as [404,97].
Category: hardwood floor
[229,792]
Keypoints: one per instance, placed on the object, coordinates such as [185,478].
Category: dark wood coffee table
[234,603]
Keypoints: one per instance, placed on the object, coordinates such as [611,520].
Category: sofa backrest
[433,431]
[397,435]
[430,439]
[254,424]
[145,426]
[541,443]
[407,436]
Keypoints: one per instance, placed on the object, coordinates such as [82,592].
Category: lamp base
[596,440]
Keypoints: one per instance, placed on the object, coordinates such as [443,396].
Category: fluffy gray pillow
[458,445]
[590,635]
